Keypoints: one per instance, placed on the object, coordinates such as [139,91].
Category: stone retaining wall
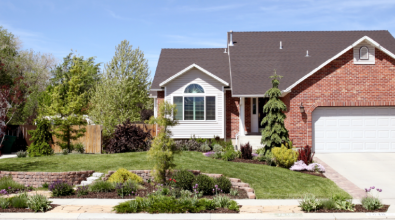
[236,183]
[36,179]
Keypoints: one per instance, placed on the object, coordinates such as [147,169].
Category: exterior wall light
[301,108]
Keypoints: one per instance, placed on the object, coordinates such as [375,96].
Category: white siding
[371,48]
[212,87]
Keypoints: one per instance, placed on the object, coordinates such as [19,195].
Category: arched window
[363,53]
[194,105]
[194,88]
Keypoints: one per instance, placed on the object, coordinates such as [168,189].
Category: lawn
[268,182]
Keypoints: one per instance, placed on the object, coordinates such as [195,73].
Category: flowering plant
[370,201]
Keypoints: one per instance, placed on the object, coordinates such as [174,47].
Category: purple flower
[372,187]
[9,187]
[213,190]
[216,186]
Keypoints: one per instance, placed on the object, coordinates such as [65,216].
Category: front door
[261,103]
[254,115]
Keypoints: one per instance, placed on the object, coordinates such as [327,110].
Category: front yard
[268,182]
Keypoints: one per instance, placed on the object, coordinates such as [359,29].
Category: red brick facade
[340,83]
[232,115]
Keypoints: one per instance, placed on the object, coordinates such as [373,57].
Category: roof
[172,61]
[256,54]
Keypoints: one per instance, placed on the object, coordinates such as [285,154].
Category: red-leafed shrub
[306,155]
[246,151]
[128,137]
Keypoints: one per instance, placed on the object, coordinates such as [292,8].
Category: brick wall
[340,83]
[232,115]
[36,179]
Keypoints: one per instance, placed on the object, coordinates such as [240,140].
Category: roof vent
[281,45]
[225,50]
[307,53]
[231,38]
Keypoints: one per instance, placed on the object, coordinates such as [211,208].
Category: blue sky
[95,27]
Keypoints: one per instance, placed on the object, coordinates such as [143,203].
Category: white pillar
[242,117]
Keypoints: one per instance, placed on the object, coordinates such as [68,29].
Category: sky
[94,28]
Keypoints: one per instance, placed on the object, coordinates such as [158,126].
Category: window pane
[210,108]
[177,100]
[254,106]
[194,88]
[188,108]
[199,108]
[364,53]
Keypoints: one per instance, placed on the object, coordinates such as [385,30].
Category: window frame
[204,95]
[360,49]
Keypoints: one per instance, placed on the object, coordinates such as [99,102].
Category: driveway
[365,169]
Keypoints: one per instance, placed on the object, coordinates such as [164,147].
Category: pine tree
[42,138]
[163,147]
[274,132]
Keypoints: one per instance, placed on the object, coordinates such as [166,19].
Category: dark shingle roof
[172,61]
[257,54]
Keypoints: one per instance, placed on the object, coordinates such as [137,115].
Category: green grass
[268,182]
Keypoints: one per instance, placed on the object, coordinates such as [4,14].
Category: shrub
[184,179]
[305,155]
[246,151]
[310,203]
[65,151]
[223,183]
[234,192]
[371,202]
[21,153]
[38,203]
[192,145]
[82,191]
[9,185]
[4,203]
[342,202]
[229,155]
[328,204]
[122,175]
[146,114]
[221,201]
[19,201]
[101,186]
[127,188]
[205,184]
[79,147]
[61,188]
[217,148]
[128,137]
[284,157]
[42,138]
[45,185]
[205,147]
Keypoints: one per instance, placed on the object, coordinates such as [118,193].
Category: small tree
[274,132]
[163,147]
[42,138]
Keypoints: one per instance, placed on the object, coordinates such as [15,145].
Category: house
[338,87]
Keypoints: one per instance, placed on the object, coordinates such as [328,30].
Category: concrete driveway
[365,169]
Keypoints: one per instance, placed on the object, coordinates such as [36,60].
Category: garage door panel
[354,129]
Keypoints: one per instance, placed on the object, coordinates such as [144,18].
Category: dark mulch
[220,210]
[358,208]
[148,188]
[24,210]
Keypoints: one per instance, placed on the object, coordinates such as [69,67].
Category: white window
[195,105]
[363,53]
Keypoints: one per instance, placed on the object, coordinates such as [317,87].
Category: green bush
[371,203]
[42,138]
[223,183]
[205,147]
[79,147]
[184,179]
[328,204]
[21,153]
[284,157]
[61,188]
[4,203]
[342,202]
[65,151]
[82,191]
[127,188]
[205,184]
[310,203]
[101,186]
[8,184]
[45,185]
[38,203]
[217,148]
[19,201]
[221,201]
[122,175]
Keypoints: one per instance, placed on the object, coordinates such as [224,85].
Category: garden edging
[236,183]
[36,179]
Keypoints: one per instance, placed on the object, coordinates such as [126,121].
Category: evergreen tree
[163,147]
[42,138]
[69,102]
[123,91]
[274,132]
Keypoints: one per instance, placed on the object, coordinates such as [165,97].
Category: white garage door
[354,129]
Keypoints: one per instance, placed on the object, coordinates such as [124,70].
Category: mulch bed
[24,210]
[358,208]
[148,188]
[220,210]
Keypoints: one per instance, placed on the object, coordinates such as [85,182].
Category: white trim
[367,53]
[189,68]
[224,113]
[156,89]
[370,40]
[283,93]
[227,89]
[242,117]
[185,87]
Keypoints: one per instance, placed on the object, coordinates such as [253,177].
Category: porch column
[242,117]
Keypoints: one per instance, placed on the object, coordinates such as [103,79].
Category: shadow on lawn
[27,166]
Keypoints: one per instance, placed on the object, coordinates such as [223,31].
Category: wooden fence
[147,127]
